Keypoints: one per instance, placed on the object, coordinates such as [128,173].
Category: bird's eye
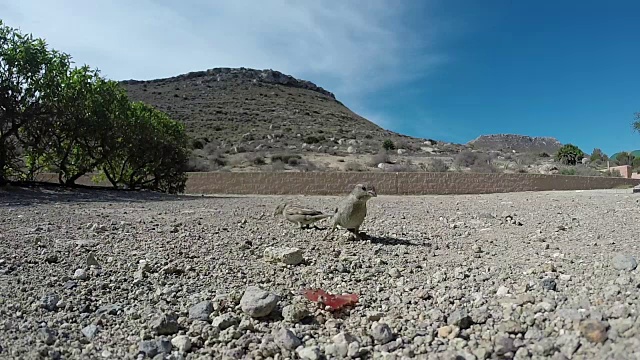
[364,188]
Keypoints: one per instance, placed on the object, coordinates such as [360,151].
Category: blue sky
[449,70]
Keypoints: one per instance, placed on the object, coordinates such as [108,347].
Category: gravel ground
[548,275]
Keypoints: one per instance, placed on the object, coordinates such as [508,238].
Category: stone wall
[417,183]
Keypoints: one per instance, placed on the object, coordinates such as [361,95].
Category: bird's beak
[372,192]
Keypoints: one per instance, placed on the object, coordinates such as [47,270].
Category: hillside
[246,120]
[519,143]
[264,112]
[259,110]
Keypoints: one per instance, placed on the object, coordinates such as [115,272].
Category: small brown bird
[352,210]
[300,215]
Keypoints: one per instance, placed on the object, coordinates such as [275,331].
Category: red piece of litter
[333,301]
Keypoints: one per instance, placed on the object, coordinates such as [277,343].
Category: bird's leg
[353,234]
[333,228]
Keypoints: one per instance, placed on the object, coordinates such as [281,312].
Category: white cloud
[349,47]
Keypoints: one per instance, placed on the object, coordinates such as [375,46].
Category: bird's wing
[299,210]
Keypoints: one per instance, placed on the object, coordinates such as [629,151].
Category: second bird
[300,215]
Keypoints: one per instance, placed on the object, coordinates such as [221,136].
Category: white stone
[182,343]
[286,255]
[80,274]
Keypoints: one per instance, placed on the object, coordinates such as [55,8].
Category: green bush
[437,165]
[466,158]
[597,156]
[586,171]
[352,166]
[284,158]
[388,145]
[569,154]
[381,157]
[476,162]
[568,171]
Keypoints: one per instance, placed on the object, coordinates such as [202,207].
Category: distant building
[625,171]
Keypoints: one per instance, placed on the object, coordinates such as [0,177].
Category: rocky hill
[246,120]
[260,110]
[519,143]
[231,111]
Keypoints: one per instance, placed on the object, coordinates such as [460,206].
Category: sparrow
[352,210]
[300,215]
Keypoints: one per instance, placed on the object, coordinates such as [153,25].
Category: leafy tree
[569,154]
[72,121]
[624,158]
[388,145]
[84,130]
[154,152]
[30,82]
[597,156]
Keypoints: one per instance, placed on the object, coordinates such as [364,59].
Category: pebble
[111,309]
[544,347]
[502,291]
[445,331]
[461,319]
[504,345]
[381,332]
[395,273]
[594,330]
[511,327]
[47,335]
[225,321]
[165,324]
[149,348]
[285,255]
[90,331]
[549,284]
[341,344]
[201,310]
[310,353]
[164,345]
[257,302]
[294,313]
[286,339]
[624,262]
[50,302]
[568,344]
[80,274]
[182,343]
